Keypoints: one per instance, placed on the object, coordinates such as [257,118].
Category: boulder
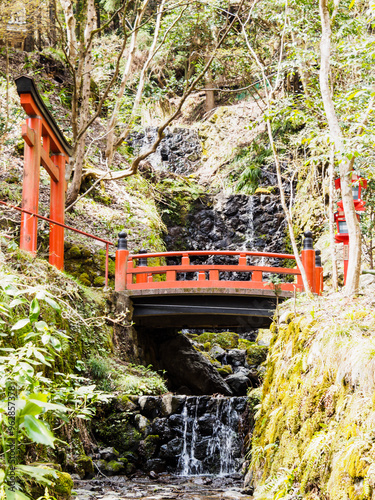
[217,352]
[366,279]
[156,465]
[161,427]
[236,357]
[187,366]
[238,382]
[141,423]
[108,453]
[171,404]
[150,406]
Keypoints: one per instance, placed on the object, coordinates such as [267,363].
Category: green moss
[99,281]
[255,354]
[149,446]
[225,370]
[84,279]
[226,340]
[74,252]
[85,467]
[61,489]
[115,467]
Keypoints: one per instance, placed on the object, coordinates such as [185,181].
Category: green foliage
[30,400]
[249,162]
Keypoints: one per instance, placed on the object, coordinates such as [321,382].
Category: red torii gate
[42,138]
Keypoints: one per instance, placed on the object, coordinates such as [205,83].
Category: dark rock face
[179,151]
[232,223]
[186,366]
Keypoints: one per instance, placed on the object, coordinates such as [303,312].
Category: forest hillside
[217,125]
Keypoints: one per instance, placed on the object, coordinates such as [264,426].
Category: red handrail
[107,243]
[213,252]
[144,275]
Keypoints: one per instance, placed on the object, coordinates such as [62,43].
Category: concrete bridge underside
[203,308]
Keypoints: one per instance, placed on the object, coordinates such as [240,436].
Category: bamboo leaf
[20,324]
[37,431]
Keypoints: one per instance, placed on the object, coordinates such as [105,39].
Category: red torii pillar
[40,126]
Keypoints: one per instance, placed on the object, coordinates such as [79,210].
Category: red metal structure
[132,273]
[44,145]
[342,236]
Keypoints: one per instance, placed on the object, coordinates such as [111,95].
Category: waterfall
[250,231]
[210,441]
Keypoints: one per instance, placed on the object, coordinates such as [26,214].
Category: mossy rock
[63,486]
[84,279]
[115,467]
[254,398]
[225,370]
[255,354]
[207,346]
[210,359]
[149,446]
[74,252]
[112,427]
[85,467]
[226,340]
[61,489]
[99,281]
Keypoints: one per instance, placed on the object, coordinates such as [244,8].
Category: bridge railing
[133,272]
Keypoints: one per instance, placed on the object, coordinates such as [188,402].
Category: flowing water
[211,443]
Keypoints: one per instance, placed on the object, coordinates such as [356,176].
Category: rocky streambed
[163,487]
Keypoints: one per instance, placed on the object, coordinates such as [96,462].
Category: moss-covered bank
[314,433]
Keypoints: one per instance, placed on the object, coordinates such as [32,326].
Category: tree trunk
[335,283]
[52,27]
[113,120]
[84,76]
[354,264]
[210,94]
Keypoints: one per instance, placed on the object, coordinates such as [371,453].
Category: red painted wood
[308,261]
[159,285]
[319,280]
[200,281]
[194,253]
[30,188]
[57,213]
[129,278]
[214,275]
[120,270]
[211,267]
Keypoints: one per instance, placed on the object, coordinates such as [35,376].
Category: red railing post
[129,275]
[30,189]
[185,261]
[242,261]
[214,275]
[121,262]
[318,273]
[308,259]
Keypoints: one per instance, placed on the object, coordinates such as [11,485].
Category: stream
[189,444]
[163,487]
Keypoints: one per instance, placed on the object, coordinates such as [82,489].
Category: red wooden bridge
[187,288]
